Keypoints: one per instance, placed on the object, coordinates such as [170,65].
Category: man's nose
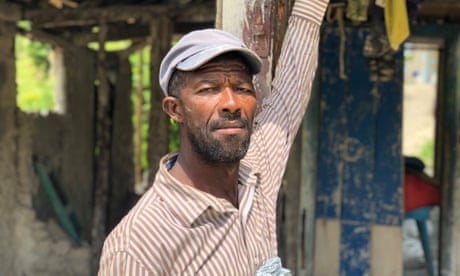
[230,101]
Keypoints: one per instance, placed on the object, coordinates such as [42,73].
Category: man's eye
[244,90]
[207,90]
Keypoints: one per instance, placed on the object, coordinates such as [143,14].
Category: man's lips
[230,127]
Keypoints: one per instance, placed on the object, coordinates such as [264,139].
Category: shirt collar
[187,203]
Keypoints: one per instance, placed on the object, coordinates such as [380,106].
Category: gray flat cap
[198,47]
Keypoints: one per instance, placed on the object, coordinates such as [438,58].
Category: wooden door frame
[446,155]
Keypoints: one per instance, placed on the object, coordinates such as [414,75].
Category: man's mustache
[230,120]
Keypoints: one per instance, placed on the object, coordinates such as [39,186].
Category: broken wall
[37,244]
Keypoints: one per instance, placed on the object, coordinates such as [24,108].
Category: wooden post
[158,144]
[78,137]
[252,22]
[449,136]
[121,188]
[8,149]
[103,136]
[138,123]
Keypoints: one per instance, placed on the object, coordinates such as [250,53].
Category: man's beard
[211,150]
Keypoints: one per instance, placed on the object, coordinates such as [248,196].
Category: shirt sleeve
[282,112]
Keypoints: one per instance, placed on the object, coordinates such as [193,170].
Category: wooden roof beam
[42,36]
[91,16]
[440,10]
[134,32]
[10,11]
[131,14]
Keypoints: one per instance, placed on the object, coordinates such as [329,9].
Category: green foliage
[111,46]
[134,60]
[173,135]
[427,153]
[34,83]
[174,128]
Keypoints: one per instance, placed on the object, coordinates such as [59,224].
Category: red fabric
[418,193]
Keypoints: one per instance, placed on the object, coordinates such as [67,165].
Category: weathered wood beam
[103,143]
[45,37]
[134,48]
[10,11]
[441,10]
[123,32]
[115,32]
[158,141]
[51,18]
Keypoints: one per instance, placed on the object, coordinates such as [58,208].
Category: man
[212,207]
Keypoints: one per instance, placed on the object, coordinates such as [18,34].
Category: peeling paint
[234,16]
[352,149]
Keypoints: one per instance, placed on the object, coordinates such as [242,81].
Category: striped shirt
[177,230]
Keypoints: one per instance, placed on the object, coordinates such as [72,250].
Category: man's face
[219,102]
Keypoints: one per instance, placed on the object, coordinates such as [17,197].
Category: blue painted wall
[360,169]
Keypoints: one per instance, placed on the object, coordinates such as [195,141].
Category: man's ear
[172,107]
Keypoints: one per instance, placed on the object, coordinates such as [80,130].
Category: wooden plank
[348,140]
[327,247]
[332,129]
[386,253]
[103,144]
[388,174]
[121,192]
[358,147]
[78,133]
[354,248]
